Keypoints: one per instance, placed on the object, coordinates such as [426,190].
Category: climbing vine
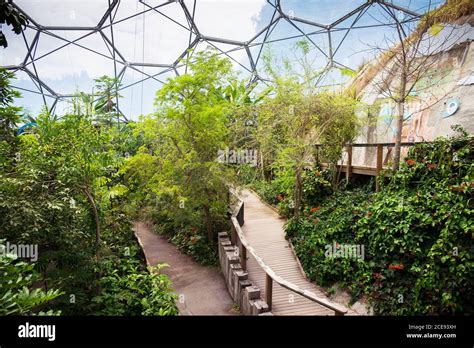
[417,234]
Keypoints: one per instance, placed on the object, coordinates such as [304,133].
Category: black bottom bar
[429,331]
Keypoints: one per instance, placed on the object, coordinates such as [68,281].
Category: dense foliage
[129,289]
[73,186]
[179,179]
[315,186]
[295,117]
[417,234]
[175,175]
[60,189]
[18,278]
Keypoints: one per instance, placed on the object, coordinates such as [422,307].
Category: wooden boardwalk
[263,230]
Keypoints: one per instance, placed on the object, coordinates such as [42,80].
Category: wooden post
[268,290]
[233,234]
[243,257]
[240,215]
[379,167]
[349,162]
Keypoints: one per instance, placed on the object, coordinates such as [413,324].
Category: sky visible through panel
[147,45]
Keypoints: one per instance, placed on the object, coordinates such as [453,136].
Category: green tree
[17,277]
[9,117]
[297,116]
[81,157]
[412,62]
[107,92]
[186,134]
[60,188]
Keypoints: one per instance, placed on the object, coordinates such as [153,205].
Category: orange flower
[280,198]
[399,266]
[315,221]
[411,162]
[314,209]
[317,173]
[431,166]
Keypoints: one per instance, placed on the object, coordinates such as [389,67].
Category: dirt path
[201,289]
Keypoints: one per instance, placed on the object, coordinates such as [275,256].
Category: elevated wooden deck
[381,163]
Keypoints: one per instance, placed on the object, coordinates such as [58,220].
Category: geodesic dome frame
[252,47]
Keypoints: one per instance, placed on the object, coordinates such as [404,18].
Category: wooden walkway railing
[350,169]
[245,248]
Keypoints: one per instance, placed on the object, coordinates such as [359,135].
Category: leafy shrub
[129,289]
[423,221]
[315,187]
[193,242]
[60,188]
[16,294]
[417,234]
[247,174]
[267,191]
[279,192]
[322,225]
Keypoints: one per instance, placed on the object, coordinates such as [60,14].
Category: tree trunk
[298,188]
[207,214]
[398,135]
[96,218]
[400,112]
[336,174]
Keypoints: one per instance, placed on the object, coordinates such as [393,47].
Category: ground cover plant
[417,234]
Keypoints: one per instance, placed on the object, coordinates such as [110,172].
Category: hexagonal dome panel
[67,44]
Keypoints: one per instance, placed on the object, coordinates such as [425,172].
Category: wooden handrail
[338,309]
[379,158]
[377,144]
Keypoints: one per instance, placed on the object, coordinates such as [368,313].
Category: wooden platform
[263,230]
[369,171]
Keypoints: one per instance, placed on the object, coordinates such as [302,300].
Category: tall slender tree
[189,128]
[410,56]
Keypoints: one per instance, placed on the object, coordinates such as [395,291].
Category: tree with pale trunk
[298,115]
[410,56]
